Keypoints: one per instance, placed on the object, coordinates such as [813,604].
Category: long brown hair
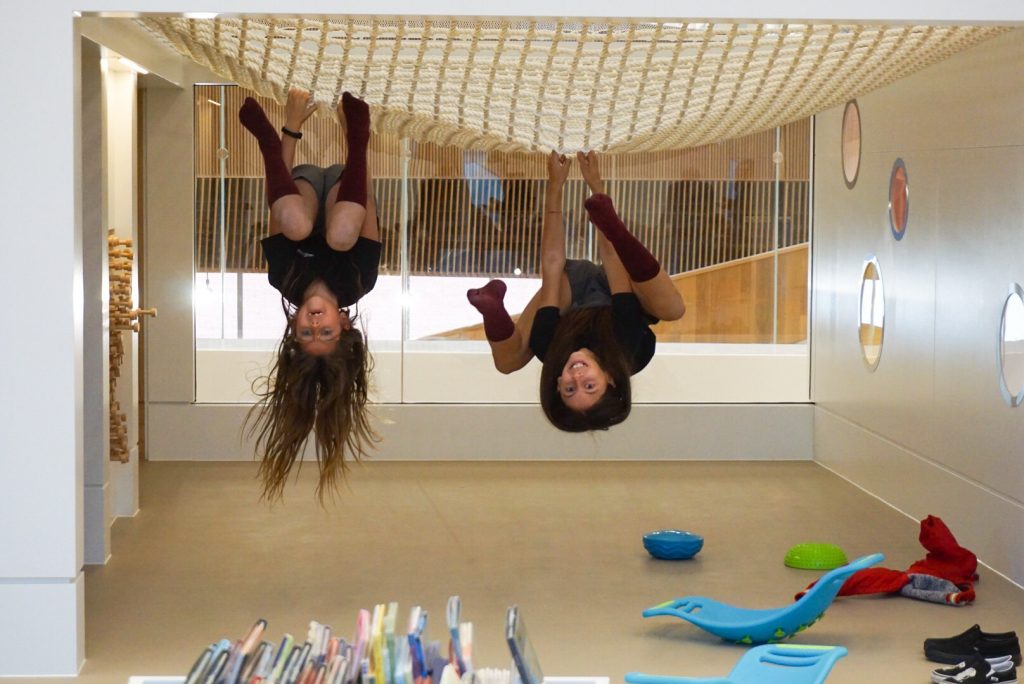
[591,328]
[304,393]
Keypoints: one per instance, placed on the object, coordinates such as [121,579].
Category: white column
[41,591]
[96,349]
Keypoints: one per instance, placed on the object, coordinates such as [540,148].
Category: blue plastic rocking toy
[768,664]
[752,626]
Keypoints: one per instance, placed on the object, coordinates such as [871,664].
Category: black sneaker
[963,646]
[978,669]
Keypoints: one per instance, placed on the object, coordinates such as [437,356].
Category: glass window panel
[708,215]
[729,222]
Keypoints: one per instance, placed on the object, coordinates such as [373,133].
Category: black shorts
[588,284]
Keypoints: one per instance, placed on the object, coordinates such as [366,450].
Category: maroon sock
[489,301]
[640,264]
[352,186]
[279,176]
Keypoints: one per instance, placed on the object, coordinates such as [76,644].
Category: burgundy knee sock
[352,186]
[640,264]
[488,300]
[279,176]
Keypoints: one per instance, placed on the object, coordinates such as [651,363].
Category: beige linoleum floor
[203,560]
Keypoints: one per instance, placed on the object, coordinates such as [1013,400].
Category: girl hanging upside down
[589,325]
[322,256]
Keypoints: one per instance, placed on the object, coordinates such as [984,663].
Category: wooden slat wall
[733,302]
[693,208]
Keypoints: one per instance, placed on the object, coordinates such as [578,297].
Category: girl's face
[318,325]
[583,382]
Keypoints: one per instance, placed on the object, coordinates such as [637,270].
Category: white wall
[41,440]
[928,431]
[463,432]
[432,372]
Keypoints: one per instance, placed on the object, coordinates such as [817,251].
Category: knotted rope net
[516,84]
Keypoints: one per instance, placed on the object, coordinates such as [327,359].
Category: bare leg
[345,221]
[660,298]
[294,215]
[658,295]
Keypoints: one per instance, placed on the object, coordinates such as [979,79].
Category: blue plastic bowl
[673,544]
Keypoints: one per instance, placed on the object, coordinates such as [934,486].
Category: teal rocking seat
[750,626]
[768,664]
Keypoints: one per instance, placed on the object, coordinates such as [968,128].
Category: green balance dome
[815,556]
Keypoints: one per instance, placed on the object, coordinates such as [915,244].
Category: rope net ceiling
[516,84]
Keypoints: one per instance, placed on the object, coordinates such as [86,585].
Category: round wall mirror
[1011,347]
[851,143]
[872,314]
[899,199]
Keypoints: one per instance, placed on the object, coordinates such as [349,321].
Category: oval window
[1011,347]
[899,199]
[851,143]
[872,314]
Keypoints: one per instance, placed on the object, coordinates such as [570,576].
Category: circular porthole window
[872,314]
[851,143]
[899,199]
[1011,347]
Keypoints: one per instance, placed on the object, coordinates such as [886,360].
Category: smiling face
[583,382]
[318,325]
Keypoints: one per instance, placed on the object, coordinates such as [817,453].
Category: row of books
[378,653]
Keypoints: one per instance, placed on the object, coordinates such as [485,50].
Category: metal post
[810,264]
[222,210]
[777,159]
[404,256]
[239,297]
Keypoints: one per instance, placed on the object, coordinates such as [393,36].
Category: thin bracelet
[290,133]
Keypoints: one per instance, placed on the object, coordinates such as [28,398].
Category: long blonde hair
[303,393]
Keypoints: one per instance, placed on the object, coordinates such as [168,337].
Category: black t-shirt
[629,321]
[293,266]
